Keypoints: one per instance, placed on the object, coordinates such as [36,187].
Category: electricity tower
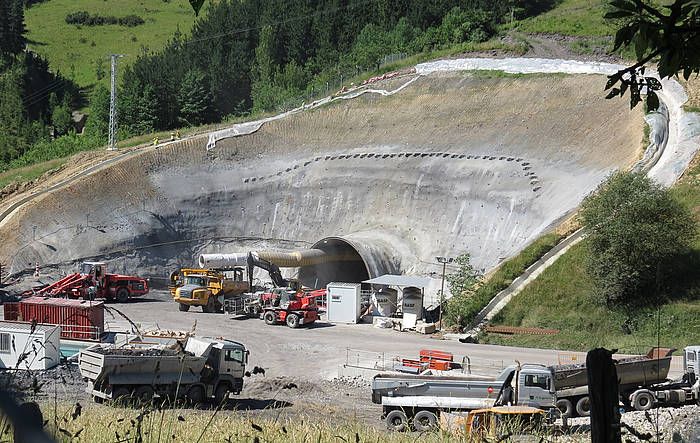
[113,104]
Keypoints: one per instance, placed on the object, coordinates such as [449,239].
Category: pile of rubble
[673,425]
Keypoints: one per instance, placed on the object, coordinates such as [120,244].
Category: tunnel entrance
[343,263]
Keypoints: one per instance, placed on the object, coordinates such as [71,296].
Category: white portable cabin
[24,347]
[343,302]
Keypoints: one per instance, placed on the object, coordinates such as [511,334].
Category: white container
[24,348]
[343,302]
[411,306]
[385,302]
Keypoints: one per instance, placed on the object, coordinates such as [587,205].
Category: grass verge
[580,18]
[462,309]
[28,173]
[563,298]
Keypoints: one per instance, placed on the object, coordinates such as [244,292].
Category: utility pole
[444,261]
[113,104]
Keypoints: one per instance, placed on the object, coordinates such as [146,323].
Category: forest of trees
[34,102]
[253,55]
[242,56]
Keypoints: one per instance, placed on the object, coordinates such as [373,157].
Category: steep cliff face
[453,163]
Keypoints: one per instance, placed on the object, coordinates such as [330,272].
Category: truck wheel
[195,395]
[583,407]
[566,408]
[397,421]
[144,394]
[210,307]
[221,394]
[123,295]
[121,393]
[270,318]
[643,401]
[184,308]
[424,421]
[293,321]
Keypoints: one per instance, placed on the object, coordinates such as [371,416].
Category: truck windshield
[193,280]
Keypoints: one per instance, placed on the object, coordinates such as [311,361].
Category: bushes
[462,309]
[64,146]
[84,18]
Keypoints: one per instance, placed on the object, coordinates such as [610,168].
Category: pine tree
[61,117]
[12,144]
[194,98]
[11,27]
[98,118]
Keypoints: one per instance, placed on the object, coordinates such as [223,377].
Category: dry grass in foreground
[98,423]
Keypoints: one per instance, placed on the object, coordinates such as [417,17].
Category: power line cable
[278,22]
[42,91]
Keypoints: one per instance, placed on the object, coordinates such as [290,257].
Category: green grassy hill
[580,18]
[562,297]
[74,50]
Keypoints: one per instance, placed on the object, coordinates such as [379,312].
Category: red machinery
[294,308]
[94,282]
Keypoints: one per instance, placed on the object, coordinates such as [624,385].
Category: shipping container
[82,320]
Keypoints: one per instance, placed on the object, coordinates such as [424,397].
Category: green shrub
[462,308]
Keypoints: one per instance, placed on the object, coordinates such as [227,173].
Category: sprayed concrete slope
[455,162]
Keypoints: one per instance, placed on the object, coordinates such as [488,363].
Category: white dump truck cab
[535,387]
[691,361]
[225,364]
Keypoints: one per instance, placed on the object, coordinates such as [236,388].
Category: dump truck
[204,369]
[643,382]
[207,288]
[417,400]
[93,281]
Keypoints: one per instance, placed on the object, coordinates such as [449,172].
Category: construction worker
[155,141]
[177,134]
[172,136]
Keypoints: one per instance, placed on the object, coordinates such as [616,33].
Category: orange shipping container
[82,320]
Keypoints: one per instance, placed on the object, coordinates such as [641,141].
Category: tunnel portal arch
[350,259]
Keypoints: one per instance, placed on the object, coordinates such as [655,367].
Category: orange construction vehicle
[293,307]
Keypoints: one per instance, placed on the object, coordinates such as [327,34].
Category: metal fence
[358,358]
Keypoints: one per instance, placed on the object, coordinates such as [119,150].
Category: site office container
[82,320]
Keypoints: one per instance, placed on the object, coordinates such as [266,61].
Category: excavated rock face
[453,163]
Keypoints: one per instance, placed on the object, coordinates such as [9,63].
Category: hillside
[562,298]
[74,50]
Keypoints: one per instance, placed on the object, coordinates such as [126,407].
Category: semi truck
[416,401]
[203,369]
[643,382]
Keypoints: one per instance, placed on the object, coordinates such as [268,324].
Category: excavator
[287,303]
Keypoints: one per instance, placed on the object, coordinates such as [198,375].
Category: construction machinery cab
[96,269]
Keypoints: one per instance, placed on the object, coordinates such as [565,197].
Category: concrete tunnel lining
[351,260]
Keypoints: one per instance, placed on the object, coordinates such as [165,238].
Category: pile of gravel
[354,382]
[674,425]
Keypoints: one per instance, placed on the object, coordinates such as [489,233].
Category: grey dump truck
[643,382]
[204,369]
[415,401]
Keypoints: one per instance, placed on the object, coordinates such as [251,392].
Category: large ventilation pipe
[351,259]
[294,259]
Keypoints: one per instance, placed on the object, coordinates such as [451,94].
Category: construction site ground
[301,366]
